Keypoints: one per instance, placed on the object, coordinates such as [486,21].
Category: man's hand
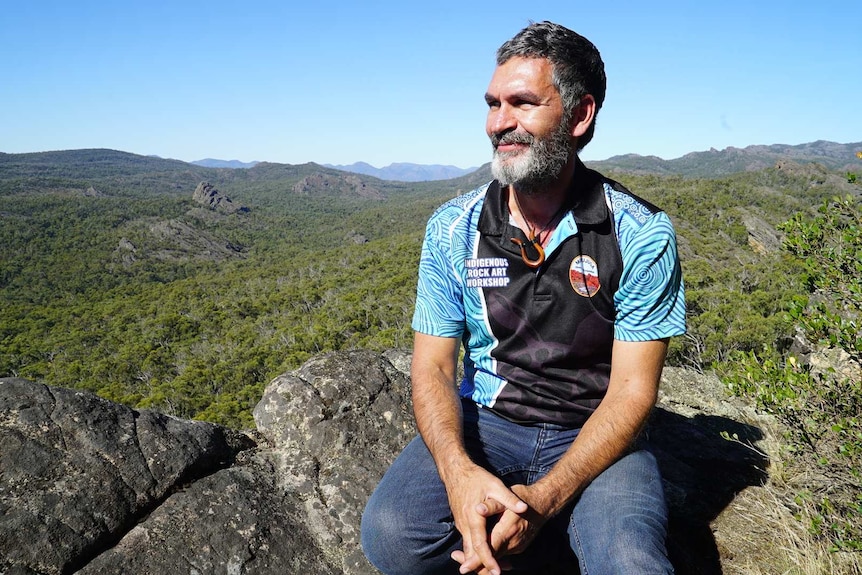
[474,496]
[513,532]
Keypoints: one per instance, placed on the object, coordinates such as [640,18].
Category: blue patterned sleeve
[439,305]
[650,301]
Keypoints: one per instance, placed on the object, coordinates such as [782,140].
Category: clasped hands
[480,496]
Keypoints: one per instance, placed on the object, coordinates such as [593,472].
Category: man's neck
[538,207]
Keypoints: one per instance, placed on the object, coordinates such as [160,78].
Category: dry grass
[767,532]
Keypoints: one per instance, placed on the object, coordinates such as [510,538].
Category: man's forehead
[536,74]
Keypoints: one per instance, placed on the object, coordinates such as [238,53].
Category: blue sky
[397,81]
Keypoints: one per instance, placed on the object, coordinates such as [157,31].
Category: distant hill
[84,163]
[117,173]
[232,164]
[717,163]
[705,164]
[397,172]
[405,172]
[110,171]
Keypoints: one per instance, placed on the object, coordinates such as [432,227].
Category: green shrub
[823,409]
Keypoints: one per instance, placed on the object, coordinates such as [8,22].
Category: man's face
[527,124]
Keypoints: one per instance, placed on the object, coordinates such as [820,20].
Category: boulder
[77,472]
[335,426]
[233,521]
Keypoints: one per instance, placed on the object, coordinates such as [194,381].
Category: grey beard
[538,167]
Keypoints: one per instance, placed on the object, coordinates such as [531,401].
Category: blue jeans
[618,524]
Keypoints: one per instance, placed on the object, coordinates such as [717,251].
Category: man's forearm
[610,430]
[437,409]
[604,438]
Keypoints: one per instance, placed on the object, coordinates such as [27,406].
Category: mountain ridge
[731,160]
[405,171]
[233,164]
[703,163]
[710,163]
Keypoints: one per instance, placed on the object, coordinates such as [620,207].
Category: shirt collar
[586,195]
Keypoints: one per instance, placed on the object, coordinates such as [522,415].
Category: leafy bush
[822,407]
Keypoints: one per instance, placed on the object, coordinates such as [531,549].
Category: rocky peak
[207,195]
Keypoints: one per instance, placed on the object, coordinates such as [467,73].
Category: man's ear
[584,115]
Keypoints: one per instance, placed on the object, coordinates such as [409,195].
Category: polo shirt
[538,342]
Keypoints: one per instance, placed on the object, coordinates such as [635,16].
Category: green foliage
[176,322]
[823,408]
[737,298]
[204,346]
[831,247]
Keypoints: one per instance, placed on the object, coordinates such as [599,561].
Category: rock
[836,365]
[178,241]
[340,185]
[77,472]
[705,442]
[234,521]
[207,195]
[125,252]
[356,238]
[762,237]
[336,424]
[89,486]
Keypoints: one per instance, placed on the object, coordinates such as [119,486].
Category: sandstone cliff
[92,487]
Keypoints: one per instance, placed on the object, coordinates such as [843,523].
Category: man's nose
[501,120]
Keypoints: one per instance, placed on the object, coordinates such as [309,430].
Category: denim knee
[619,525]
[379,533]
[396,545]
[407,526]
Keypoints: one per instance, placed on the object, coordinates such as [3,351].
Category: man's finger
[477,552]
[475,564]
[504,565]
[499,502]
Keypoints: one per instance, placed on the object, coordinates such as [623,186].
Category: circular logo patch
[584,276]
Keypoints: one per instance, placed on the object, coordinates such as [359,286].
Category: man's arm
[438,415]
[635,372]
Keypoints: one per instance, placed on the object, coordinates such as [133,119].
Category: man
[563,288]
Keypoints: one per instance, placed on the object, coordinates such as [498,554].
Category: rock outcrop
[762,237]
[77,472]
[338,185]
[179,240]
[207,195]
[88,486]
[92,192]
